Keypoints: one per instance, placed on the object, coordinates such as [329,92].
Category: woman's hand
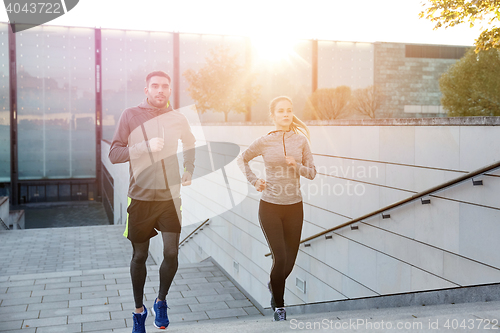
[291,161]
[260,185]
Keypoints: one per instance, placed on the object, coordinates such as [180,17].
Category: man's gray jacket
[153,176]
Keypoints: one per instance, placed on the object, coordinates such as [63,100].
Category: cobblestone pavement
[77,280]
[64,249]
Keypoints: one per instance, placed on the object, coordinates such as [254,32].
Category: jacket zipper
[284,147]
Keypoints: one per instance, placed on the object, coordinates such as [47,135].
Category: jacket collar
[287,133]
[148,107]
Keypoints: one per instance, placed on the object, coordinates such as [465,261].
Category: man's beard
[158,104]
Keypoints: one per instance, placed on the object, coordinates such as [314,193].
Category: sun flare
[273,49]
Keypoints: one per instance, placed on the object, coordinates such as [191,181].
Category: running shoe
[279,314]
[273,303]
[160,312]
[139,321]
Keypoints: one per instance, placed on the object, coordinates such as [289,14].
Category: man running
[147,136]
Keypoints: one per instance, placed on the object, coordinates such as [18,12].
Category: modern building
[419,224]
[69,85]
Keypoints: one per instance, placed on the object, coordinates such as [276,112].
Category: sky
[340,20]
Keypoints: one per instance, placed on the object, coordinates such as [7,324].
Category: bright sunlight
[273,49]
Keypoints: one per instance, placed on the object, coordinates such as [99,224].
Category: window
[435,51]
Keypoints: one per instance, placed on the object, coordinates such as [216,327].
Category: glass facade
[127,57]
[345,64]
[56,102]
[56,88]
[193,50]
[4,105]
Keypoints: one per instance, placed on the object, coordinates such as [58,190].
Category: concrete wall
[17,219]
[13,219]
[448,243]
[4,211]
[120,175]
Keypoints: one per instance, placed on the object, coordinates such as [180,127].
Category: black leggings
[168,267]
[282,226]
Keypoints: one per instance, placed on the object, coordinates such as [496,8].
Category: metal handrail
[195,230]
[407,200]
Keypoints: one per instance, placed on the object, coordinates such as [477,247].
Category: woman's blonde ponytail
[299,127]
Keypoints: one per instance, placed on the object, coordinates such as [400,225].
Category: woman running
[287,156]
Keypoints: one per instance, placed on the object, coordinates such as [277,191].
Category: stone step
[45,250]
[100,300]
[475,317]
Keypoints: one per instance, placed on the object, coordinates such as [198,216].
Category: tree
[471,87]
[328,103]
[449,13]
[367,100]
[222,85]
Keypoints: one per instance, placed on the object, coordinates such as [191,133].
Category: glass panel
[4,105]
[36,193]
[56,102]
[23,194]
[51,192]
[345,63]
[127,58]
[64,192]
[91,188]
[79,192]
[194,48]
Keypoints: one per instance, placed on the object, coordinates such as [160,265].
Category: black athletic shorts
[146,216]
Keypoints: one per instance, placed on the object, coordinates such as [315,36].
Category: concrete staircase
[77,280]
[438,318]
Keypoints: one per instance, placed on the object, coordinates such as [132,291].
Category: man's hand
[260,185]
[156,144]
[186,179]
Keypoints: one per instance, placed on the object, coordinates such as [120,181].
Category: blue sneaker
[139,321]
[160,312]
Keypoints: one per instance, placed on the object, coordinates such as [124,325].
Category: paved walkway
[64,249]
[77,280]
[65,294]
[467,317]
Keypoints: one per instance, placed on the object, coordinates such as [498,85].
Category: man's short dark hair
[157,73]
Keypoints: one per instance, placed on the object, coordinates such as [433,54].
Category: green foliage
[448,13]
[471,87]
[328,103]
[222,85]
